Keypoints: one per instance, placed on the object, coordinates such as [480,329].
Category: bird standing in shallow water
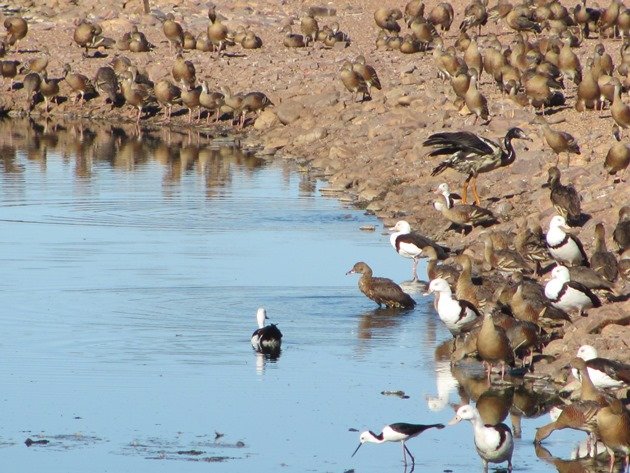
[381,290]
[409,244]
[398,432]
[494,443]
[472,155]
[266,338]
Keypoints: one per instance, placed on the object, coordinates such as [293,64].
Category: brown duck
[383,291]
[493,346]
[167,94]
[602,260]
[466,216]
[173,32]
[16,27]
[618,156]
[559,141]
[565,199]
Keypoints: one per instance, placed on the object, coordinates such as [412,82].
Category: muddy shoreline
[370,152]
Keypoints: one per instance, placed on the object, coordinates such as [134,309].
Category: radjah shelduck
[569,295]
[266,338]
[397,432]
[456,314]
[494,443]
[604,373]
[564,247]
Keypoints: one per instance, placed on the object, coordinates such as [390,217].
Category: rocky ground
[371,153]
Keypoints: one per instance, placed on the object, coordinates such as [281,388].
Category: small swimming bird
[494,443]
[604,373]
[398,432]
[381,290]
[564,247]
[409,244]
[457,314]
[566,294]
[266,338]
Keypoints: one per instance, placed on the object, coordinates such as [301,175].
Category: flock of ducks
[121,82]
[505,314]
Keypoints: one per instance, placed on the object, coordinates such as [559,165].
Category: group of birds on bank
[121,82]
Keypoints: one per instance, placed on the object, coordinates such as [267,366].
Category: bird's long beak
[350,272]
[567,229]
[356,450]
[454,420]
[437,191]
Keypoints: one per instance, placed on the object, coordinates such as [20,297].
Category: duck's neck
[509,155]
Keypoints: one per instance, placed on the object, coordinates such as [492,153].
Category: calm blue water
[129,290]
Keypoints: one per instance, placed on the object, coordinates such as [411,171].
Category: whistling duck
[580,415]
[435,270]
[566,294]
[78,82]
[472,154]
[456,314]
[353,81]
[559,141]
[309,27]
[16,27]
[493,346]
[613,428]
[479,296]
[475,14]
[494,443]
[173,32]
[564,247]
[106,83]
[266,338]
[565,199]
[465,215]
[212,101]
[618,156]
[621,234]
[504,260]
[602,260]
[368,73]
[167,94]
[381,290]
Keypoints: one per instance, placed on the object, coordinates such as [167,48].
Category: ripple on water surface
[132,271]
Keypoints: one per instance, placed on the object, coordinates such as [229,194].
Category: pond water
[132,268]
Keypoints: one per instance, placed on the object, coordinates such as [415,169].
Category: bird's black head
[517,133]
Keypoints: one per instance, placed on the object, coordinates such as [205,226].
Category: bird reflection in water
[567,466]
[95,144]
[379,322]
[494,403]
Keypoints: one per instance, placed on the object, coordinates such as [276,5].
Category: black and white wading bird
[472,154]
[409,244]
[266,338]
[398,432]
